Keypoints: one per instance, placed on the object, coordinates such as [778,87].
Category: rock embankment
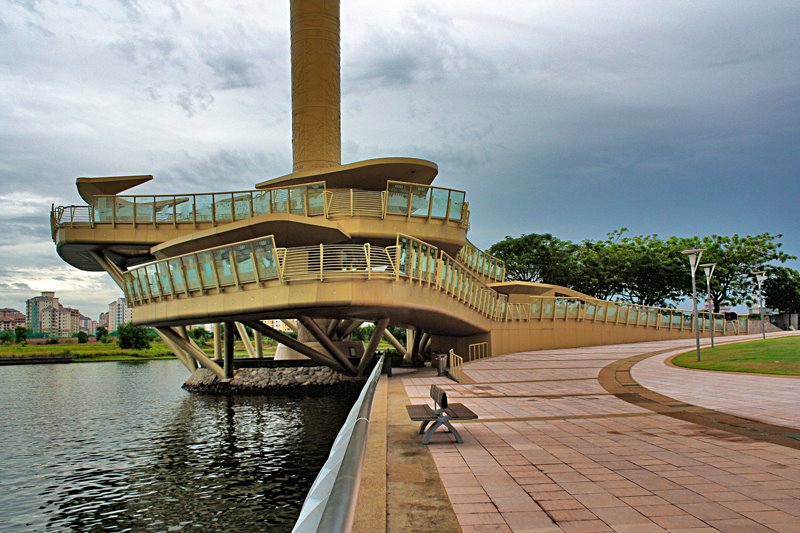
[279,380]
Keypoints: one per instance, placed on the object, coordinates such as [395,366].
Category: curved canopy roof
[370,175]
[289,231]
[88,188]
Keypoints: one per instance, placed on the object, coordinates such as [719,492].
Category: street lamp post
[694,259]
[709,270]
[760,277]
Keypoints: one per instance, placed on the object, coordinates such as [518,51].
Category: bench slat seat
[441,416]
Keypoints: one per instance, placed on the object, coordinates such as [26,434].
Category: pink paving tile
[563,447]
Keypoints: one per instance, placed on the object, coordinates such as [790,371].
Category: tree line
[648,270]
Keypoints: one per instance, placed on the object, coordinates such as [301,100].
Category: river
[121,447]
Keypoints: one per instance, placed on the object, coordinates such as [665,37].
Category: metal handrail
[410,260]
[331,502]
[310,200]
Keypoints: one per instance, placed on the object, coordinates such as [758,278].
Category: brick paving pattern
[555,453]
[777,397]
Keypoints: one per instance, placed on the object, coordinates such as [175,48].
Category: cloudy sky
[574,118]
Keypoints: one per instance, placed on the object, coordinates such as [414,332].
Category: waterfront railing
[331,501]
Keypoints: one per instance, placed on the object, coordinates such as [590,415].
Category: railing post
[321,262]
[351,202]
[367,251]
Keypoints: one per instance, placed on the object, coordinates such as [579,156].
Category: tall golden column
[316,93]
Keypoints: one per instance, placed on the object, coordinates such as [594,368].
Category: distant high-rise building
[46,315]
[118,314]
[11,318]
[103,320]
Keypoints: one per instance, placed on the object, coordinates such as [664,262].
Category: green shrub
[132,337]
[83,337]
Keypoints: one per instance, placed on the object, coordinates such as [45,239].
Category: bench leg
[423,425]
[442,421]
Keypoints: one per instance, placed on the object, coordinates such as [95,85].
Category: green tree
[132,337]
[200,334]
[6,336]
[101,332]
[20,334]
[538,257]
[83,337]
[650,271]
[782,290]
[736,258]
[599,269]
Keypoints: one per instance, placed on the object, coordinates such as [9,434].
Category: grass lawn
[96,351]
[99,351]
[772,356]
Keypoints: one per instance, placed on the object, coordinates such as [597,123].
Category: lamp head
[709,269]
[694,255]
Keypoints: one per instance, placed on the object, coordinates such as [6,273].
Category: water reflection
[138,454]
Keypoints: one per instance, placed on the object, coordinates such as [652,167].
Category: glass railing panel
[676,320]
[623,315]
[664,321]
[165,209]
[223,207]
[280,200]
[261,203]
[456,205]
[536,308]
[129,286]
[601,311]
[152,279]
[244,263]
[206,265]
[572,309]
[297,200]
[439,204]
[222,262]
[163,277]
[193,281]
[561,309]
[241,206]
[549,309]
[176,272]
[420,201]
[144,210]
[204,204]
[265,260]
[124,212]
[611,313]
[184,209]
[316,199]
[141,278]
[397,200]
[104,209]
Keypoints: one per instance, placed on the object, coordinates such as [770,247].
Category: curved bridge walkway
[558,448]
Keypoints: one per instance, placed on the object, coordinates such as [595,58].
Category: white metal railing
[327,262]
[331,501]
[478,350]
[456,366]
[352,202]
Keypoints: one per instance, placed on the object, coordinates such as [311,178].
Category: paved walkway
[771,399]
[553,451]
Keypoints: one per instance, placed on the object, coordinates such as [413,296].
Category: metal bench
[441,416]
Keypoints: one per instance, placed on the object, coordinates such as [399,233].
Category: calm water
[121,447]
